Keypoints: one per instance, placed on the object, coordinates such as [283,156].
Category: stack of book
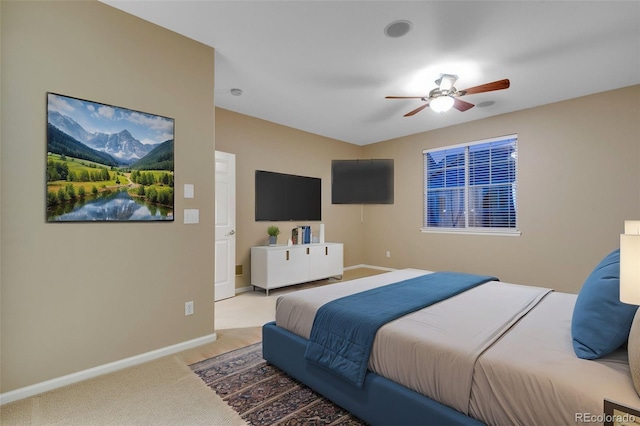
[301,235]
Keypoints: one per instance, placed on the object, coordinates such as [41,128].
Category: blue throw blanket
[343,329]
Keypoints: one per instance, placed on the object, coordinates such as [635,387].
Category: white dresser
[280,266]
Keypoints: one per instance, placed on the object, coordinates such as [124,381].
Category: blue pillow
[601,322]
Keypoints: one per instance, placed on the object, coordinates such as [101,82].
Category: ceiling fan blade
[461,105]
[406,97]
[489,87]
[417,110]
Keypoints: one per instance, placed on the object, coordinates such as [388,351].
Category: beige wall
[262,145]
[579,179]
[80,295]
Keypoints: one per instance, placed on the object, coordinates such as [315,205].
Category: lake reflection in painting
[119,206]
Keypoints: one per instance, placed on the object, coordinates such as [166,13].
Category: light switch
[188,190]
[191,216]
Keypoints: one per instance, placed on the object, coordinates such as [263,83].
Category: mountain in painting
[122,146]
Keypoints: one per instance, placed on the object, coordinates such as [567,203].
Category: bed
[497,353]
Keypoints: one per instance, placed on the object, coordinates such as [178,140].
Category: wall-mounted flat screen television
[284,197]
[362,181]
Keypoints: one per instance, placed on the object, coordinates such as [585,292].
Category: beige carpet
[164,391]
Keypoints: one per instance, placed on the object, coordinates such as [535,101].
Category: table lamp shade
[630,292]
[630,263]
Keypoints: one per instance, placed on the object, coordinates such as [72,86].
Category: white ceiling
[325,67]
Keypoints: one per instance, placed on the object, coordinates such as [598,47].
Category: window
[472,188]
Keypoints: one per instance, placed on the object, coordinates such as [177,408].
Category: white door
[225,249]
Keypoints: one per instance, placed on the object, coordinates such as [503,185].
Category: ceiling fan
[445,96]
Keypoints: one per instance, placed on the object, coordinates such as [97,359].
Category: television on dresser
[362,181]
[285,197]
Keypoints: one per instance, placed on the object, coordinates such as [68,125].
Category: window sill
[472,231]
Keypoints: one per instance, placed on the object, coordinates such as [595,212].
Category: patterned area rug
[265,395]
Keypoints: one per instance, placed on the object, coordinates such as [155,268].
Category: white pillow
[633,348]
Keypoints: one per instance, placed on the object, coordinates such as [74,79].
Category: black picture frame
[107,163]
[616,414]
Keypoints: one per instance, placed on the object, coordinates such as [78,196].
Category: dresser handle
[287,254]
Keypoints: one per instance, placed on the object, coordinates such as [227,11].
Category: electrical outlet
[388,253]
[188,308]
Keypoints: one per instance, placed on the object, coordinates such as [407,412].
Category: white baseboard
[244,289]
[69,379]
[381,268]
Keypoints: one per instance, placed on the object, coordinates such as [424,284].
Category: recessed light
[398,28]
[236,92]
[485,104]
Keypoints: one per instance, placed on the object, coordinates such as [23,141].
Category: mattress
[483,352]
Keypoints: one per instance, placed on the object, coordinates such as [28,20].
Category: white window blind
[472,187]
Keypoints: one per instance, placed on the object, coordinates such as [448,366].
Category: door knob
[231,232]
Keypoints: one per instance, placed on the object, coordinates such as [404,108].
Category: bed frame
[379,402]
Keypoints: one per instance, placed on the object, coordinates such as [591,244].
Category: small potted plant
[273,232]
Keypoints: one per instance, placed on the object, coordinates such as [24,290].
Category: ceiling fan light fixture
[445,96]
[446,81]
[441,104]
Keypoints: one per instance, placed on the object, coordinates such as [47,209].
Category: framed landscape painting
[107,163]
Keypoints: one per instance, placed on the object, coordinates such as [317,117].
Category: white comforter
[499,352]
